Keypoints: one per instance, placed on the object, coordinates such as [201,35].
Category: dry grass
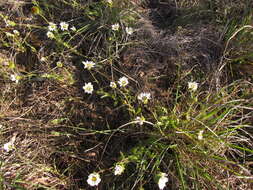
[61,134]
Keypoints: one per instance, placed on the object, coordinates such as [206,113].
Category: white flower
[200,135]
[73,28]
[94,179]
[50,35]
[123,81]
[129,30]
[192,86]
[52,26]
[140,120]
[113,85]
[88,64]
[88,88]
[144,97]
[115,27]
[162,180]
[14,78]
[119,169]
[64,26]
[8,146]
[16,32]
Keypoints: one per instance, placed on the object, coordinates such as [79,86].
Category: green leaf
[58,121]
[11,65]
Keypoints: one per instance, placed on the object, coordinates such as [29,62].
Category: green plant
[84,115]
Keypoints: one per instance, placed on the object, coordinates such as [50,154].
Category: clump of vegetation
[126,94]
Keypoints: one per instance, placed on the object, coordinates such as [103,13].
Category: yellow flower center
[94,179]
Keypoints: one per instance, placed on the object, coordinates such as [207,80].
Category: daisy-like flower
[88,88]
[129,30]
[200,135]
[115,27]
[144,97]
[50,35]
[123,81]
[73,28]
[88,64]
[162,180]
[193,86]
[119,169]
[52,26]
[14,78]
[64,26]
[140,120]
[94,179]
[113,85]
[9,146]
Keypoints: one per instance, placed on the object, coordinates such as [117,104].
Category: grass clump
[104,95]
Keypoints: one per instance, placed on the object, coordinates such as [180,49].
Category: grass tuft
[128,94]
